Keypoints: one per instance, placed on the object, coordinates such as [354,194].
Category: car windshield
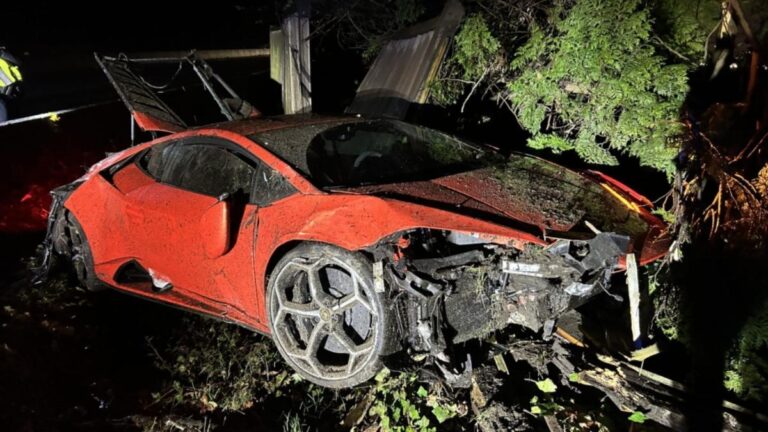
[358,152]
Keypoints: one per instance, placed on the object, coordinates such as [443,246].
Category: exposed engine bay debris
[448,288]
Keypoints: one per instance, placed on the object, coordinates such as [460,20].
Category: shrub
[216,365]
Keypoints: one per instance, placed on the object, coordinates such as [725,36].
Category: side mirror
[215,229]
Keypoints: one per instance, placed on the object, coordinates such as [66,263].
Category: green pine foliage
[747,366]
[682,27]
[602,78]
[590,81]
[475,52]
[476,47]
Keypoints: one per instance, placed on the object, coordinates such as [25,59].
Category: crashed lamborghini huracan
[349,239]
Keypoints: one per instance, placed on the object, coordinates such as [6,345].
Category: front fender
[356,222]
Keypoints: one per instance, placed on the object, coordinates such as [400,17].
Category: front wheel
[326,319]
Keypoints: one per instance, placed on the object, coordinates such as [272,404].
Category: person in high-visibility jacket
[10,80]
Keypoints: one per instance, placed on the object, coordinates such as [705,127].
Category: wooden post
[290,60]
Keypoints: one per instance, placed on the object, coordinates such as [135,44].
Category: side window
[270,186]
[155,159]
[208,170]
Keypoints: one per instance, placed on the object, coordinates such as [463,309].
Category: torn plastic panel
[451,287]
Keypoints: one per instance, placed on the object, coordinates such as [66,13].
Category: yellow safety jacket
[9,75]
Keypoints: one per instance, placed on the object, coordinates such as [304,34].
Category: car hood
[529,191]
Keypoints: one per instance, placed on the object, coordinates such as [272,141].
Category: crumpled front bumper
[543,284]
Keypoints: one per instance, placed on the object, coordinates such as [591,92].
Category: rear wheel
[326,319]
[79,253]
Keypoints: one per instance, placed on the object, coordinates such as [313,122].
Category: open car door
[148,110]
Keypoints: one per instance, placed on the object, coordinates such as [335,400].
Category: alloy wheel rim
[323,317]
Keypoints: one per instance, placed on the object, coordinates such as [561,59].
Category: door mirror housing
[216,229]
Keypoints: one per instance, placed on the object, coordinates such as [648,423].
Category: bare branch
[474,87]
[670,49]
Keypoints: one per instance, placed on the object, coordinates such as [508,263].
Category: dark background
[55,42]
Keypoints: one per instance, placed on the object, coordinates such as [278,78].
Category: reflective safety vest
[9,74]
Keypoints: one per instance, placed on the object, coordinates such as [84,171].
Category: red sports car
[347,239]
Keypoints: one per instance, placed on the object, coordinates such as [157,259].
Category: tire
[80,255]
[328,328]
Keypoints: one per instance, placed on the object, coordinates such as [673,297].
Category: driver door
[193,221]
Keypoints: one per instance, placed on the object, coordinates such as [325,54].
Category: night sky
[55,42]
[136,25]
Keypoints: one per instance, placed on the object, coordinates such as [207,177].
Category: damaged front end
[450,287]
